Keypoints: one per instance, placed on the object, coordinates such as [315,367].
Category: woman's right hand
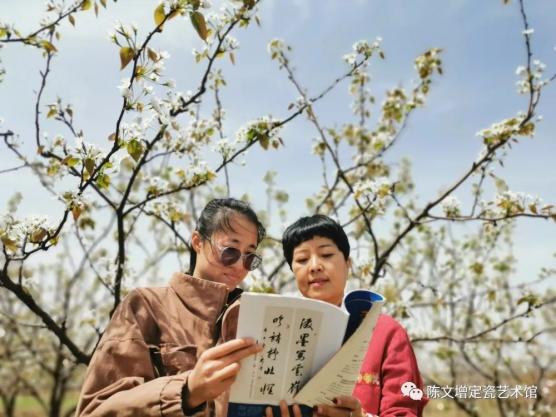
[216,370]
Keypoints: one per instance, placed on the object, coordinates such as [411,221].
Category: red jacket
[388,365]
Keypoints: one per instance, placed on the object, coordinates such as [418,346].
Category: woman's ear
[196,241]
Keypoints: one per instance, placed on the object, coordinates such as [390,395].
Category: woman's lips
[317,283]
[231,279]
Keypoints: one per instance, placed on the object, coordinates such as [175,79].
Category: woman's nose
[315,264]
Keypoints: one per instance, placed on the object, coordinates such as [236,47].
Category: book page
[339,375]
[297,342]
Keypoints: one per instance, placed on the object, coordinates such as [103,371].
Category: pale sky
[482,43]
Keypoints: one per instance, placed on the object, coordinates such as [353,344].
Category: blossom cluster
[503,131]
[532,78]
[451,206]
[363,50]
[428,63]
[375,190]
[264,130]
[511,203]
[277,48]
[14,233]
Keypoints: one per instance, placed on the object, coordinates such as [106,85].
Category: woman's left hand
[344,406]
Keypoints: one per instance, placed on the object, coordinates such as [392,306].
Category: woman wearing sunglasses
[317,250]
[157,356]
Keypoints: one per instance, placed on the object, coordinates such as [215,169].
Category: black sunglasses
[229,256]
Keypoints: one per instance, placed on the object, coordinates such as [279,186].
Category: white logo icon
[409,389]
[416,394]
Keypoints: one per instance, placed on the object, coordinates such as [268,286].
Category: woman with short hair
[317,251]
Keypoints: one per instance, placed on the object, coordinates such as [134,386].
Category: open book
[312,350]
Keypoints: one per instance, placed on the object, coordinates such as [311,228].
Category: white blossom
[224,148]
[231,43]
[520,70]
[350,58]
[511,202]
[451,206]
[318,147]
[276,45]
[125,89]
[375,188]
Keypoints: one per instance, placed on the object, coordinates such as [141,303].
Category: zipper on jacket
[232,297]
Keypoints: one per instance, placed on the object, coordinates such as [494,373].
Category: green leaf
[52,112]
[477,268]
[89,165]
[126,55]
[76,212]
[48,47]
[70,161]
[9,243]
[86,5]
[249,4]
[153,56]
[531,299]
[264,142]
[87,222]
[38,235]
[53,169]
[491,295]
[103,181]
[159,16]
[135,149]
[198,21]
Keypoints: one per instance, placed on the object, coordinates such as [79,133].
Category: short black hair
[309,227]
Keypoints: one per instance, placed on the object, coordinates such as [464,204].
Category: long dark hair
[215,217]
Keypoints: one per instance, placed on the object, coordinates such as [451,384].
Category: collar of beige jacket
[203,297]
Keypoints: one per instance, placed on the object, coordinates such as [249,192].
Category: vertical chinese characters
[289,340]
[276,335]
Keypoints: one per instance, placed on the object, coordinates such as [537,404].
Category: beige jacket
[149,347]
